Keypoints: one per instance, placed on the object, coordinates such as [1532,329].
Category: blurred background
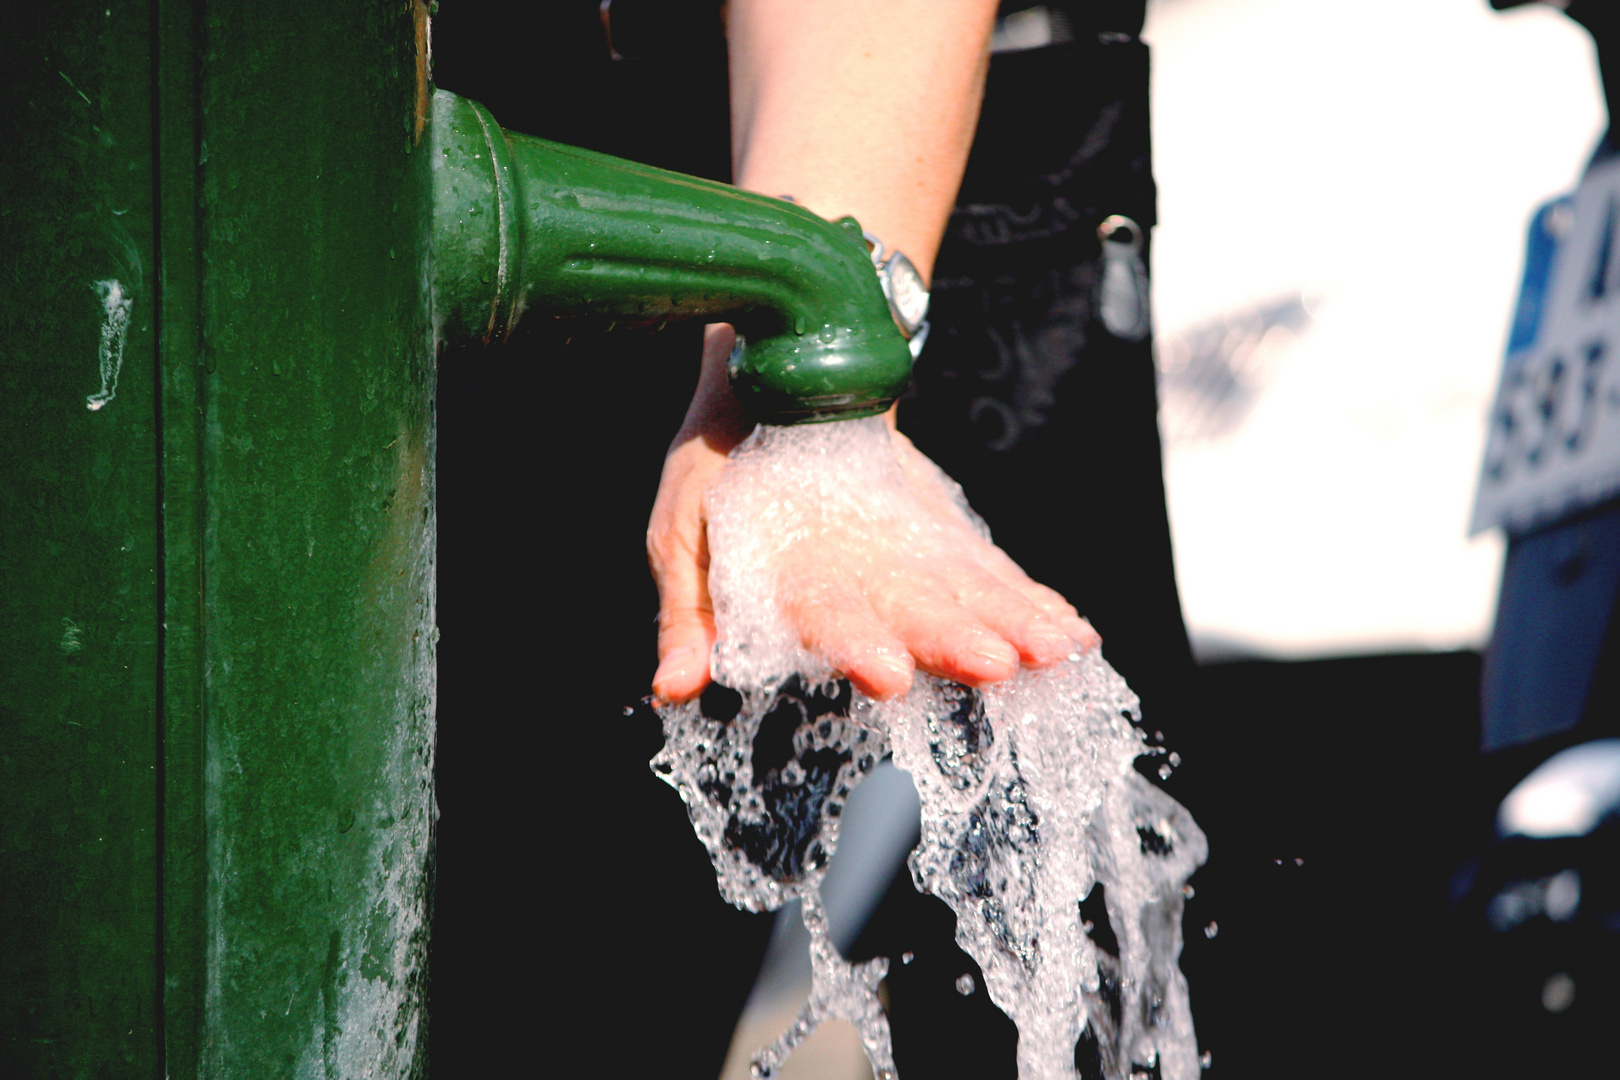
[1343,193]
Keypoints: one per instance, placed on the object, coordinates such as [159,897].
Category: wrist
[714,414]
[906,290]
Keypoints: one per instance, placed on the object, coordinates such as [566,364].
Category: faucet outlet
[522,225]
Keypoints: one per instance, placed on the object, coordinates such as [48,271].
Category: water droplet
[1158,736]
[1164,772]
[1298,861]
[1188,892]
[629,710]
[907,957]
[1211,930]
[1175,760]
[1074,657]
[965,985]
[1206,1059]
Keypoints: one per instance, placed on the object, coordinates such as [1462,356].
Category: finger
[945,638]
[1039,637]
[685,638]
[1053,631]
[843,630]
[683,662]
[685,616]
[1048,601]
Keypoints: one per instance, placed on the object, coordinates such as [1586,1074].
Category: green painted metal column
[80,558]
[216,540]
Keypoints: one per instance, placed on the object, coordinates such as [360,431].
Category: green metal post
[80,561]
[216,591]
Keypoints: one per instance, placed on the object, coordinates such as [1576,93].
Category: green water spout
[528,227]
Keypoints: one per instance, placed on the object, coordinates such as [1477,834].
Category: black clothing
[1049,422]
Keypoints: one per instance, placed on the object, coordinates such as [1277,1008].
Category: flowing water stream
[1031,804]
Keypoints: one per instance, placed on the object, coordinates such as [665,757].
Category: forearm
[860,107]
[866,108]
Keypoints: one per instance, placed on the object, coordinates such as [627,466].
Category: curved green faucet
[522,225]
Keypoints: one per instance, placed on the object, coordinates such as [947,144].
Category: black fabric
[1088,16]
[1049,422]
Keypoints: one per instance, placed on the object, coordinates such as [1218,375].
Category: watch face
[908,296]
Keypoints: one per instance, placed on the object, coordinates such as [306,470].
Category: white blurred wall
[1380,158]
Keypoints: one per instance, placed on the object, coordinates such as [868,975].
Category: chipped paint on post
[114,331]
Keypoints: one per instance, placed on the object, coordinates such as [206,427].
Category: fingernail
[678,666]
[899,668]
[898,662]
[1083,646]
[1080,631]
[997,652]
[1049,640]
[678,659]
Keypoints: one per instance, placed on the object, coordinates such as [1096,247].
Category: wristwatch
[904,288]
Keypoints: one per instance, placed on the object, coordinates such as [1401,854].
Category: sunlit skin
[865,109]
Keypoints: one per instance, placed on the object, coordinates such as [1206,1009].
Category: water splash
[765,775]
[1065,868]
[838,989]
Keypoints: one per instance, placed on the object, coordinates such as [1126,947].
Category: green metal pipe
[524,225]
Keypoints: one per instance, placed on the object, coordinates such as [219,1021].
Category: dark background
[565,869]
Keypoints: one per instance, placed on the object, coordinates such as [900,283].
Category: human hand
[874,602]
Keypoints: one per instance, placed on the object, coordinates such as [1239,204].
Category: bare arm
[860,108]
[868,109]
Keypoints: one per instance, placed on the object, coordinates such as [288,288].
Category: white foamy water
[1030,800]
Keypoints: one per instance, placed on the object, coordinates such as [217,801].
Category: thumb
[685,622]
